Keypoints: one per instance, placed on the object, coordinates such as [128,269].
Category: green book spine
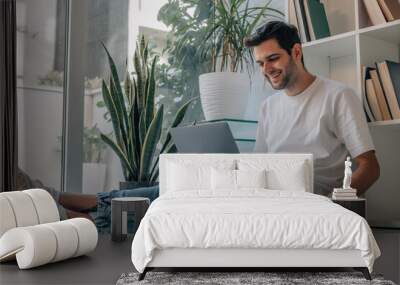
[304,19]
[318,19]
[394,72]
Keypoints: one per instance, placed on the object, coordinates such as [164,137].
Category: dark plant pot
[123,185]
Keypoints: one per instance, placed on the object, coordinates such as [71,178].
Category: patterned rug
[244,278]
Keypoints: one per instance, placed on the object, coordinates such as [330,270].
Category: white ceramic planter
[93,178]
[224,94]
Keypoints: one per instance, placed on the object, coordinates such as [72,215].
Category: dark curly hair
[285,34]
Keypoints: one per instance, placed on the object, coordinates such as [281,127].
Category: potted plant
[137,122]
[94,170]
[224,92]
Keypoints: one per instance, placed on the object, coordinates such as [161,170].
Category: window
[40,65]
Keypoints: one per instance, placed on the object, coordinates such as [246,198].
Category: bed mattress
[250,219]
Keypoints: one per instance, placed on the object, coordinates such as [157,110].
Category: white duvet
[250,218]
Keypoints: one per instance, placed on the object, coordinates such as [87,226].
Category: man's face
[276,64]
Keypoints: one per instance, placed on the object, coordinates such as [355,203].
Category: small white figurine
[347,174]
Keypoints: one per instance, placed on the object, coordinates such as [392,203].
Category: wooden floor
[103,266]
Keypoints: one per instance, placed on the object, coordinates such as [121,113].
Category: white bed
[194,223]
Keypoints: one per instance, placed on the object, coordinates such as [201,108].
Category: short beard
[289,78]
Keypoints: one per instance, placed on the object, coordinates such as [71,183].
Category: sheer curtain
[8,97]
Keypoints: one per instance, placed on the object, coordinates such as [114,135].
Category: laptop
[204,138]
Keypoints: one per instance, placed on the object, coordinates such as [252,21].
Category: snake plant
[136,121]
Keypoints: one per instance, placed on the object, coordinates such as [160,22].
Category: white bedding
[251,218]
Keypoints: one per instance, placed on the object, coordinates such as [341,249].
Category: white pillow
[293,178]
[236,179]
[251,178]
[282,174]
[182,177]
[223,179]
[185,175]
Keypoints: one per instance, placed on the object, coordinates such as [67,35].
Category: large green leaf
[149,111]
[135,119]
[120,111]
[150,144]
[118,95]
[122,156]
[139,79]
[128,88]
[115,117]
[142,128]
[134,159]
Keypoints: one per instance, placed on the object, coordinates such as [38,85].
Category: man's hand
[367,172]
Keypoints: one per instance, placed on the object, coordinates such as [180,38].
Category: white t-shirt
[326,119]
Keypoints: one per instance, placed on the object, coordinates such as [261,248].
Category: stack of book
[381,91]
[310,19]
[344,194]
[382,11]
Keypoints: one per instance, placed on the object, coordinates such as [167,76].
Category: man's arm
[367,172]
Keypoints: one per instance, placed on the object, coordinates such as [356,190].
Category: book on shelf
[302,21]
[374,12]
[316,19]
[394,71]
[312,21]
[390,8]
[308,19]
[364,76]
[293,20]
[372,98]
[380,95]
[389,74]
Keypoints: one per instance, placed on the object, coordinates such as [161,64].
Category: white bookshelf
[385,123]
[356,42]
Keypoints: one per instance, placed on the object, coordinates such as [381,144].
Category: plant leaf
[118,151]
[150,144]
[150,94]
[115,119]
[119,97]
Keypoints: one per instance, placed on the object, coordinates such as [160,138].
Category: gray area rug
[243,278]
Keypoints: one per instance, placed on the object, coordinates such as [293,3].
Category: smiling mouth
[274,75]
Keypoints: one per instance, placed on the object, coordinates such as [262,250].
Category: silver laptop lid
[204,138]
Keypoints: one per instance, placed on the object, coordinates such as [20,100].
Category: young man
[310,114]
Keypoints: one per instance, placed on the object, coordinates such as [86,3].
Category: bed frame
[249,258]
[246,259]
